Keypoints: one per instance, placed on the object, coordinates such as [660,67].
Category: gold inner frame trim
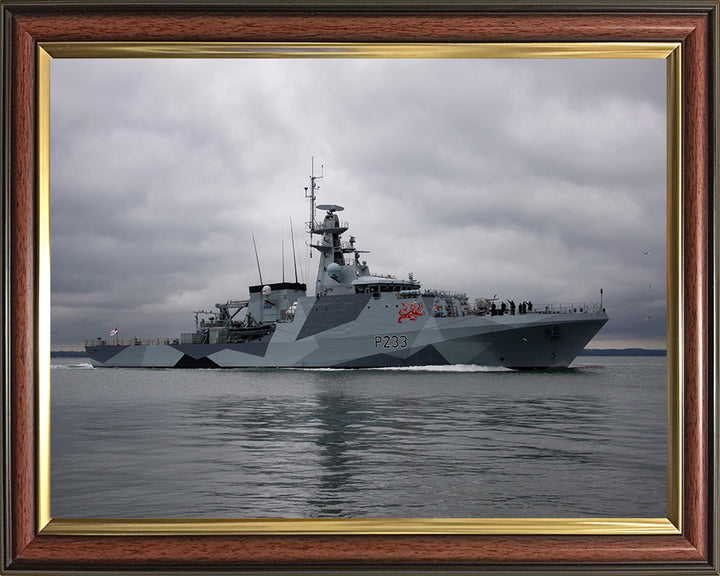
[295,526]
[674,263]
[515,526]
[357,50]
[43,286]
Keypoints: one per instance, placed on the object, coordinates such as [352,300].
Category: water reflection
[339,438]
[340,449]
[359,444]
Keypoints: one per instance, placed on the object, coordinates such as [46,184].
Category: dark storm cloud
[540,180]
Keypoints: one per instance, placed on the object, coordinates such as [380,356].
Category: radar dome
[334,270]
[266,290]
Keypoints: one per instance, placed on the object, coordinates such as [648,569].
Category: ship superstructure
[357,319]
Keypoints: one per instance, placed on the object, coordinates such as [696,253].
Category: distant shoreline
[586,352]
[68,354]
[622,352]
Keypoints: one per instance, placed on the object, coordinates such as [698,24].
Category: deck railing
[112,341]
[551,309]
[571,309]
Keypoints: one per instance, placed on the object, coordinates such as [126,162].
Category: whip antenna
[256,255]
[292,239]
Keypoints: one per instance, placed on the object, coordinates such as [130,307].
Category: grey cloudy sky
[538,180]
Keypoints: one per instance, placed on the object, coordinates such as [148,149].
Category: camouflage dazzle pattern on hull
[357,332]
[361,320]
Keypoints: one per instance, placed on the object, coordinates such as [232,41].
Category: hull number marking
[391,341]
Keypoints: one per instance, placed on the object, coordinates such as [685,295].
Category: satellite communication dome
[334,270]
[266,290]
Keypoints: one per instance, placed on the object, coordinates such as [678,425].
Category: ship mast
[312,197]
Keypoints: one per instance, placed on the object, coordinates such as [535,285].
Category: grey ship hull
[362,331]
[360,320]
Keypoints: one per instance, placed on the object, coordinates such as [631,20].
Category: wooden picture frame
[31,543]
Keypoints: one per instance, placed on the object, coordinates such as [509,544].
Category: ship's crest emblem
[410,312]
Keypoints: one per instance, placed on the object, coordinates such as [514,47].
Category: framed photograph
[45,43]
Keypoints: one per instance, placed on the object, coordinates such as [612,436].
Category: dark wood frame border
[693,23]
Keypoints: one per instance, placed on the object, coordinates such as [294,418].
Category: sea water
[462,441]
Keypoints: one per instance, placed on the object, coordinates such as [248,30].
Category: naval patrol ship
[357,319]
